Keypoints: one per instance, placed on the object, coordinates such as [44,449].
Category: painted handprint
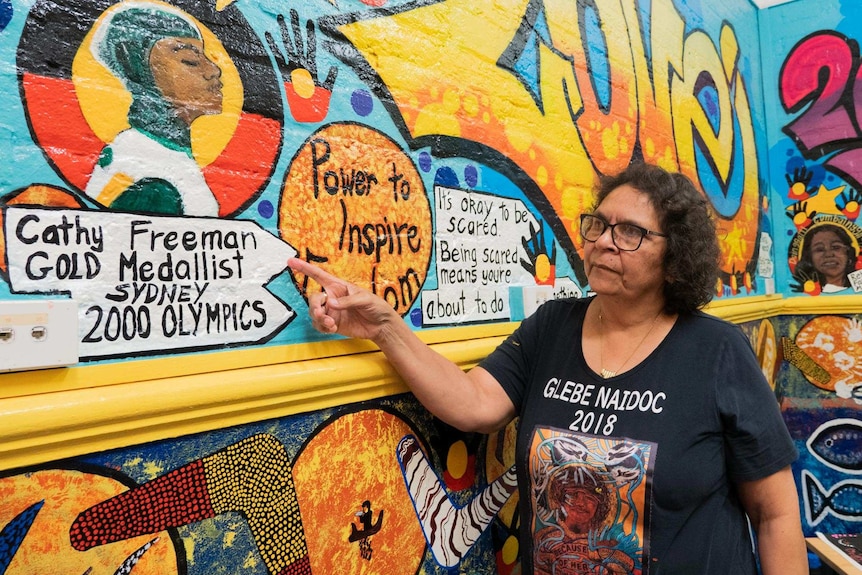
[799,184]
[541,264]
[800,216]
[307,97]
[849,203]
[805,283]
[853,330]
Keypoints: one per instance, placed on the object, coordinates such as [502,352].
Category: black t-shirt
[634,474]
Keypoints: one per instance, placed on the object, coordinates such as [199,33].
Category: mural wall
[374,488]
[170,157]
[814,147]
[813,130]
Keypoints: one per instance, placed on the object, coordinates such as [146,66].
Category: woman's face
[579,506]
[631,274]
[186,77]
[830,255]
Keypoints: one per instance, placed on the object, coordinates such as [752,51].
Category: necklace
[606,373]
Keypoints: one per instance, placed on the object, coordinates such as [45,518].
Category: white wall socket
[534,296]
[36,334]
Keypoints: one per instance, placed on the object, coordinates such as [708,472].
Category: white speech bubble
[148,284]
[479,245]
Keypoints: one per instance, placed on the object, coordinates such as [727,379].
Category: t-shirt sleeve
[757,440]
[511,363]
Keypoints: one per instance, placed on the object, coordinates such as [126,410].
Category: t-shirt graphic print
[590,497]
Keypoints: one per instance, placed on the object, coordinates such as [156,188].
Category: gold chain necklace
[606,373]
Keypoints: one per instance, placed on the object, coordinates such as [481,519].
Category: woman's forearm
[468,401]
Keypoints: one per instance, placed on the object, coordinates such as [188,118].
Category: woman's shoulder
[702,324]
[555,307]
[556,311]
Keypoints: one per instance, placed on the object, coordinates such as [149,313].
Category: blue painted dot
[471,176]
[416,317]
[425,161]
[446,177]
[362,102]
[265,209]
[5,13]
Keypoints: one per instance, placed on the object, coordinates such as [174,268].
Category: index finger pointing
[310,270]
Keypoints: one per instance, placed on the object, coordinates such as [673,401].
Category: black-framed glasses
[626,236]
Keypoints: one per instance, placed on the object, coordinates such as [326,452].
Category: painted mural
[817,180]
[816,371]
[816,90]
[822,409]
[350,490]
[173,155]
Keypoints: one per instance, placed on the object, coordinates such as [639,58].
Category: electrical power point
[38,334]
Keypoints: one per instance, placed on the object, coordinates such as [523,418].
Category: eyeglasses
[834,247]
[627,237]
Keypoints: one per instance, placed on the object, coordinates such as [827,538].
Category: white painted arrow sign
[150,284]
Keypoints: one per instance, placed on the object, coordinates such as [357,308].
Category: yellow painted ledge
[54,414]
[59,424]
[85,376]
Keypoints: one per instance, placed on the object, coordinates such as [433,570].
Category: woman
[158,54]
[635,380]
[828,256]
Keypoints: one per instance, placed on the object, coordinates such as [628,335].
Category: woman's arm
[771,504]
[472,401]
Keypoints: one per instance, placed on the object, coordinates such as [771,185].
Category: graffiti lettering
[821,78]
[597,81]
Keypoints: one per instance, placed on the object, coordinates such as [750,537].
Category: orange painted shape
[60,128]
[67,493]
[351,460]
[355,203]
[308,110]
[245,164]
[835,344]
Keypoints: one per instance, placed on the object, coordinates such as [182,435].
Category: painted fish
[843,500]
[838,444]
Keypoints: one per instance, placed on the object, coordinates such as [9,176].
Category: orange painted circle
[351,460]
[835,344]
[354,203]
[46,545]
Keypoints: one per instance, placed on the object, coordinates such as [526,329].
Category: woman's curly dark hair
[691,261]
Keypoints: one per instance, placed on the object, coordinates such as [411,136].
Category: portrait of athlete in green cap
[157,52]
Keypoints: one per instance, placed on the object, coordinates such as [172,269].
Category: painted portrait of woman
[157,52]
[828,255]
[146,107]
